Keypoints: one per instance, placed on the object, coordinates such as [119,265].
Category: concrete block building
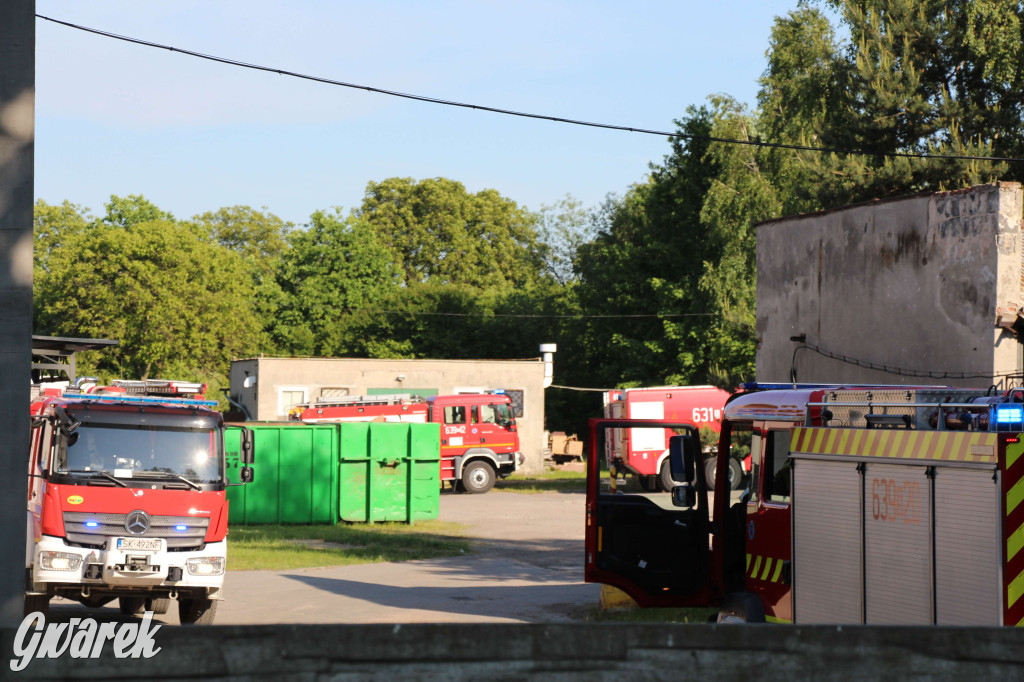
[265,388]
[911,290]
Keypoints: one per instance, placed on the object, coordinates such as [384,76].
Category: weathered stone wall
[591,652]
[899,288]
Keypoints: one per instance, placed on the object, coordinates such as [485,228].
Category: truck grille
[112,525]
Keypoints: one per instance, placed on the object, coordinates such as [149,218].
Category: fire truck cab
[866,504]
[126,497]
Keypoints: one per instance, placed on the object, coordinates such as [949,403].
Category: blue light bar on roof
[144,400]
[1009,414]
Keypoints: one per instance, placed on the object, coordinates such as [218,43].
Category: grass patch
[561,480]
[278,548]
[638,615]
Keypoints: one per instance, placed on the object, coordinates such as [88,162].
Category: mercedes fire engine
[873,505]
[126,497]
[644,452]
[479,439]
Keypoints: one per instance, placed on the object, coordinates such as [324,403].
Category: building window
[333,392]
[288,397]
[518,398]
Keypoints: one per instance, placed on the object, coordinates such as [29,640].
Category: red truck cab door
[488,430]
[640,542]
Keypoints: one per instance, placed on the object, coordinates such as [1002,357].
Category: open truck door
[653,546]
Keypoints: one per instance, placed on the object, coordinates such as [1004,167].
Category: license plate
[146,544]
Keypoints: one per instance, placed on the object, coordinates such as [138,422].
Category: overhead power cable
[523,114]
[417,313]
[899,371]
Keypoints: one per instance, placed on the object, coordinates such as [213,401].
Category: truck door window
[755,468]
[455,414]
[777,466]
[487,414]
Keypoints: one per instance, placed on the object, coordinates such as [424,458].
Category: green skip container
[325,473]
[389,472]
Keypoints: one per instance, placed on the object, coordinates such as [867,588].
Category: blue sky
[193,136]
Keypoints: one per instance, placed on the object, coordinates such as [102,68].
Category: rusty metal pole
[17,137]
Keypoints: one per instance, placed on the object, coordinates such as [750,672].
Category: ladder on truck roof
[388,399]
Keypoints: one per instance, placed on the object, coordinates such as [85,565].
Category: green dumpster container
[295,474]
[389,471]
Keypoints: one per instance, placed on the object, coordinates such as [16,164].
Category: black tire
[710,467]
[37,602]
[664,479]
[735,474]
[196,611]
[478,477]
[131,606]
[158,604]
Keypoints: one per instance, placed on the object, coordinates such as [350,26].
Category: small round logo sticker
[75,499]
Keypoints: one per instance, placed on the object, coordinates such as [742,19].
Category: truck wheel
[710,467]
[735,474]
[131,605]
[196,611]
[665,478]
[158,605]
[37,602]
[478,477]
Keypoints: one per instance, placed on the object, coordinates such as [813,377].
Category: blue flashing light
[181,527]
[136,399]
[1009,414]
[92,524]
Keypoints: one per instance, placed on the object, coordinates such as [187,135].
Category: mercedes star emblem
[137,522]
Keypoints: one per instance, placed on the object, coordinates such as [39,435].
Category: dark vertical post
[17,136]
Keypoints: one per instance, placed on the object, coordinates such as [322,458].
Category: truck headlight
[206,566]
[59,561]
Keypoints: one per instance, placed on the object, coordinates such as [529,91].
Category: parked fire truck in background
[126,497]
[644,452]
[884,505]
[479,440]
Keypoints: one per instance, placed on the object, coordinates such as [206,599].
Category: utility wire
[899,371]
[417,313]
[522,114]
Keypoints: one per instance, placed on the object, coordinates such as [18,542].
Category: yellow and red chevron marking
[945,446]
[1013,531]
[764,568]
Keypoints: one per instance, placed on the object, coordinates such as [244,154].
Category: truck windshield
[138,451]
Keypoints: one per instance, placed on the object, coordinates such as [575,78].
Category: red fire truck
[874,505]
[479,440]
[644,452]
[126,497]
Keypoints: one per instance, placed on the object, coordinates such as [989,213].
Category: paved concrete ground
[527,567]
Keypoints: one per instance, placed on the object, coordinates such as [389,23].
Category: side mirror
[682,460]
[684,496]
[245,475]
[248,447]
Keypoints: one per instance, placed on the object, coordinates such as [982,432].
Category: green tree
[334,276]
[258,236]
[179,304]
[440,233]
[132,210]
[53,226]
[916,77]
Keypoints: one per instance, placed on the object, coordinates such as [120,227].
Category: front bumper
[58,567]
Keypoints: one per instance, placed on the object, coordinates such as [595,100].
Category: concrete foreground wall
[927,283]
[566,652]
